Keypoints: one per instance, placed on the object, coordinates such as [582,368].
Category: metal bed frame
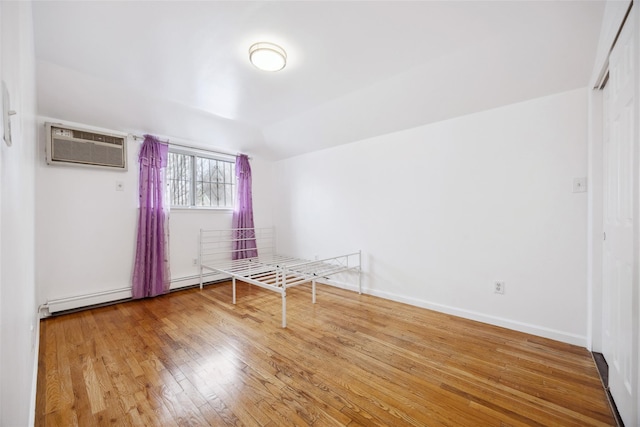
[268,270]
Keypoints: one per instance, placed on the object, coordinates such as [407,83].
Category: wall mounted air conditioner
[68,145]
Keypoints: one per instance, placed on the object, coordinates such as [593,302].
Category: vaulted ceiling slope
[355,69]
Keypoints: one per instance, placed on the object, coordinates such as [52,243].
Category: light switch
[119,186]
[579,185]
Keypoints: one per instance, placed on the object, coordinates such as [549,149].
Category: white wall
[442,211]
[18,307]
[86,229]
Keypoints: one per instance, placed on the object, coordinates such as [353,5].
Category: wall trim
[541,331]
[189,281]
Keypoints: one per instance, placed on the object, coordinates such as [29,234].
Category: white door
[620,287]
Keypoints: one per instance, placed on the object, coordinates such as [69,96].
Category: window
[195,179]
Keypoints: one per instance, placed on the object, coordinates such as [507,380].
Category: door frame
[595,157]
[595,197]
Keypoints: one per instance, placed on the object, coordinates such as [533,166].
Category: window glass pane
[202,171]
[179,176]
[216,195]
[209,175]
[219,171]
[212,181]
[228,190]
[227,172]
[203,182]
[198,170]
[199,194]
[208,165]
[212,198]
[203,191]
[231,186]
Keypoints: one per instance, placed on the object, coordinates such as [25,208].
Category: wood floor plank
[49,385]
[63,367]
[193,358]
[92,385]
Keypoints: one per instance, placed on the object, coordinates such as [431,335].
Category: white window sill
[200,209]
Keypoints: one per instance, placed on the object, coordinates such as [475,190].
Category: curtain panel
[151,275]
[244,245]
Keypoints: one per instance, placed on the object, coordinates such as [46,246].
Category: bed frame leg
[313,291]
[284,308]
[200,256]
[233,281]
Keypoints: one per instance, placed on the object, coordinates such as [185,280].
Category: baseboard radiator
[58,305]
[87,300]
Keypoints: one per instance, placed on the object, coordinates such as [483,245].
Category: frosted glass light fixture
[267,56]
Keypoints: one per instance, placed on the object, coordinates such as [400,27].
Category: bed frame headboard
[216,246]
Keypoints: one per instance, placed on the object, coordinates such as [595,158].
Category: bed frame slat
[268,270]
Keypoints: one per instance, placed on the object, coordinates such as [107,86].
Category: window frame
[194,154]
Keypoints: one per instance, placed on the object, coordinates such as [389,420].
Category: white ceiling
[355,69]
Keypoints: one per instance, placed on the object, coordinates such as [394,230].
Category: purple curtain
[244,240]
[151,274]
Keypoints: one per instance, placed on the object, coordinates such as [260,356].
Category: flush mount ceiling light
[267,56]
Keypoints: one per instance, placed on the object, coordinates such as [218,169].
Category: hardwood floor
[192,358]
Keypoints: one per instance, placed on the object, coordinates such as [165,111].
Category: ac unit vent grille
[81,147]
[86,153]
[89,136]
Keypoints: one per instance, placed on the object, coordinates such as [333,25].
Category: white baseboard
[187,281]
[515,325]
[70,303]
[183,283]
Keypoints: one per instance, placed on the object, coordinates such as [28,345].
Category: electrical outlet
[195,261]
[579,185]
[498,287]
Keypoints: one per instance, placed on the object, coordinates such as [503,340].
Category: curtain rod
[167,141]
